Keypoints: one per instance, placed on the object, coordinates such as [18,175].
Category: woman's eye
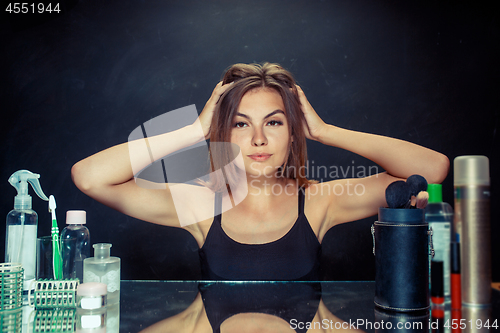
[275,123]
[240,124]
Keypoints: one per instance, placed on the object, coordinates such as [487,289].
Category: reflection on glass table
[194,306]
[61,320]
[153,306]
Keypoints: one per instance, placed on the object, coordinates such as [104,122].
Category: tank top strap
[218,207]
[301,200]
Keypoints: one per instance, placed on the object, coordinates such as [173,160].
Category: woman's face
[260,129]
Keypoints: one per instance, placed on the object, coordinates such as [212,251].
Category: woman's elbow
[81,178]
[440,169]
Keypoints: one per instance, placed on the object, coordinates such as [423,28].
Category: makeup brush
[418,192]
[417,184]
[421,200]
[397,194]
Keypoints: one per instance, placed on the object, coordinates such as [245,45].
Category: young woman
[275,230]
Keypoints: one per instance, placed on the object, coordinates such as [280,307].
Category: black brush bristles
[417,184]
[398,195]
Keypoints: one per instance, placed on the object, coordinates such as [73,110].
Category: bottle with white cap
[75,244]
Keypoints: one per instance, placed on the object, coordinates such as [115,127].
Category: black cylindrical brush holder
[401,322]
[401,248]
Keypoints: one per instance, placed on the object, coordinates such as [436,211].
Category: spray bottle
[22,223]
[471,178]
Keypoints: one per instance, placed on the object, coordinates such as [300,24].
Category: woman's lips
[260,157]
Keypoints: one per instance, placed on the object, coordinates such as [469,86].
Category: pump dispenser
[22,224]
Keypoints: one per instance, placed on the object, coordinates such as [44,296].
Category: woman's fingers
[303,105]
[314,122]
[219,90]
[208,111]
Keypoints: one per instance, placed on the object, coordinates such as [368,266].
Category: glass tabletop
[166,306]
[208,306]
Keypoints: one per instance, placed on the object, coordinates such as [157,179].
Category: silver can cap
[471,170]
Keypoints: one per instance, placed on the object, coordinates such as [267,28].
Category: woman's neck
[270,186]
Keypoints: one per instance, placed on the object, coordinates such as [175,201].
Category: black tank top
[295,256]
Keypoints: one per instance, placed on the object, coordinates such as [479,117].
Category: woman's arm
[193,319]
[108,176]
[400,159]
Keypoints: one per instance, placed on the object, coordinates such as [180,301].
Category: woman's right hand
[209,109]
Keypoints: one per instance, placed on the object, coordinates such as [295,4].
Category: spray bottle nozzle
[20,180]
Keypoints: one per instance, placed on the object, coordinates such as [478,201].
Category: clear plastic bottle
[75,244]
[439,215]
[22,226]
[105,269]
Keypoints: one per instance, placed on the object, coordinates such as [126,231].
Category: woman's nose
[259,138]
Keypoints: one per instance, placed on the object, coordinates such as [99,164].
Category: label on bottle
[441,242]
[476,245]
[111,279]
[21,248]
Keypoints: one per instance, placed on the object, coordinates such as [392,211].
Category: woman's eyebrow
[274,112]
[267,116]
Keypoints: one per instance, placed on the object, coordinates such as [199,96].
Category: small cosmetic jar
[91,320]
[91,298]
[91,295]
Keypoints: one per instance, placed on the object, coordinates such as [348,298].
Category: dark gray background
[79,82]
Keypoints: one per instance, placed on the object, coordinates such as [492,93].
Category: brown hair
[253,76]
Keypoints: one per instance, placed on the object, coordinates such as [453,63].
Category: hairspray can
[472,227]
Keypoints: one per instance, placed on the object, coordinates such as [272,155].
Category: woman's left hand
[315,125]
